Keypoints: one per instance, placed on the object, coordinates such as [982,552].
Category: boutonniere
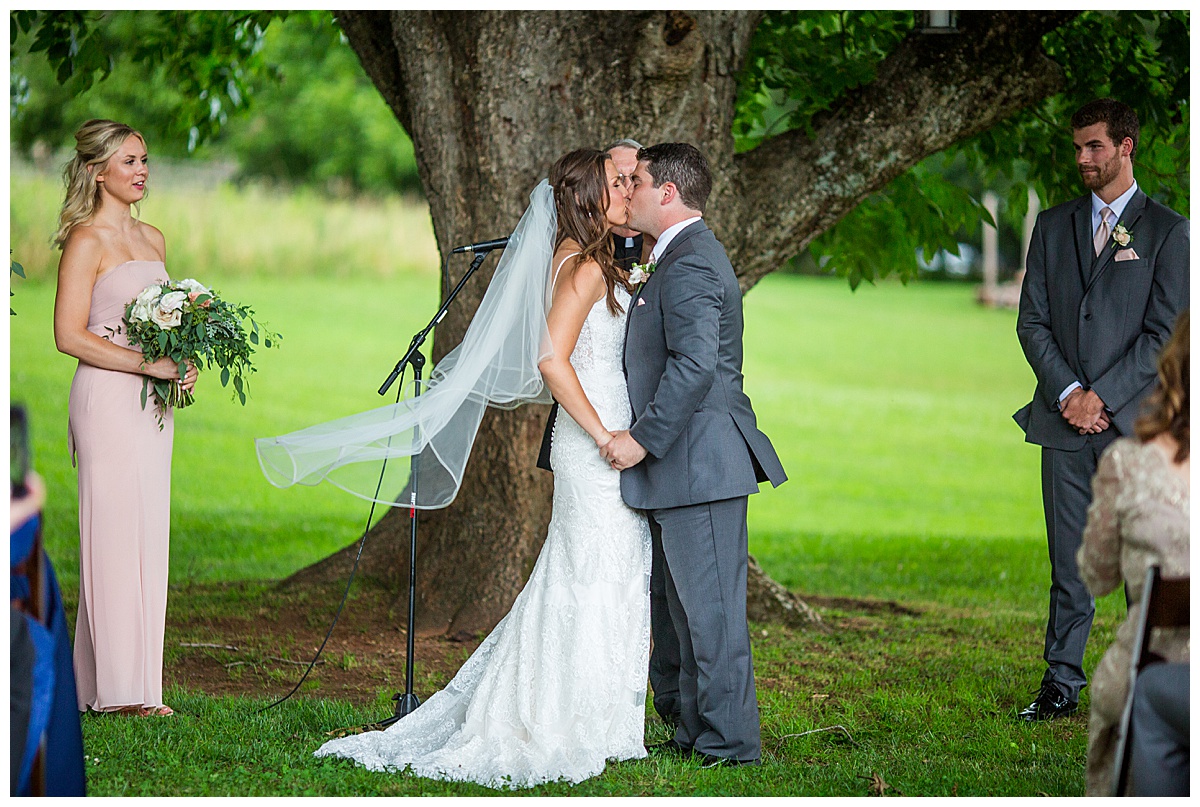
[641,272]
[1121,236]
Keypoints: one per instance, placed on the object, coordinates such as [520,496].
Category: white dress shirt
[664,240]
[1117,206]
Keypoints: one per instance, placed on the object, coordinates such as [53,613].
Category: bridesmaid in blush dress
[123,458]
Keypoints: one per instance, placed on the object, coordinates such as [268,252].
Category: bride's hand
[604,439]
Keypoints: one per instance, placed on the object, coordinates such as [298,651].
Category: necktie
[1103,231]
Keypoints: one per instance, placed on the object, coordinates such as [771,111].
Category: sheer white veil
[495,365]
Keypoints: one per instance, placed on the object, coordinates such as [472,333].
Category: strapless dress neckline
[113,271]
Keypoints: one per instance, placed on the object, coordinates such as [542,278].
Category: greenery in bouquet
[188,323]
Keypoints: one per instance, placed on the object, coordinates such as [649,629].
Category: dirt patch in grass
[257,639]
[824,604]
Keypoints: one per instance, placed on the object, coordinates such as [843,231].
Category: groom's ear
[669,193]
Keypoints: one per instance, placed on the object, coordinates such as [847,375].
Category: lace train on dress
[559,686]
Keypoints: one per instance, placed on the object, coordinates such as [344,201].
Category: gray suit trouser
[705,549]
[1159,734]
[1066,494]
[664,653]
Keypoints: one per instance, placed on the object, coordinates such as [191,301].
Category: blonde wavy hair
[95,143]
[1167,409]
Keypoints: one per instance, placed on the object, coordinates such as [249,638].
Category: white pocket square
[1125,255]
[641,301]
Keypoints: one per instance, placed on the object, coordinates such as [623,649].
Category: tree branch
[370,35]
[933,91]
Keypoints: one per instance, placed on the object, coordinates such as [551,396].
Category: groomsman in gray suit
[694,452]
[1106,276]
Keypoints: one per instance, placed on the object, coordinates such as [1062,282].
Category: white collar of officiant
[664,240]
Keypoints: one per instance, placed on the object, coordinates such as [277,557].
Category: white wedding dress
[559,686]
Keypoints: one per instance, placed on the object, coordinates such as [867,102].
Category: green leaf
[224,376]
[254,337]
[145,391]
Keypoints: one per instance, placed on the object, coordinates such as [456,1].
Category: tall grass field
[891,411]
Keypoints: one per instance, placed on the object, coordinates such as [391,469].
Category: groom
[694,452]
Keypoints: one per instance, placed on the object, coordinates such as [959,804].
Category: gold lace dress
[1138,518]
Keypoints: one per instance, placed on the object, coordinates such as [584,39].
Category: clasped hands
[1084,410]
[621,451]
[167,369]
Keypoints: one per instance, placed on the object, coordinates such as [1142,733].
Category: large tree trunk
[491,99]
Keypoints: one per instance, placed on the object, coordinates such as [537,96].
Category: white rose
[172,301]
[166,319]
[140,312]
[193,286]
[638,276]
[148,296]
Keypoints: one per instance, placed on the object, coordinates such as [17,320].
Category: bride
[559,686]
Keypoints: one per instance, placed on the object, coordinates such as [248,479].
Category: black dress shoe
[670,747]
[1050,703]
[710,761]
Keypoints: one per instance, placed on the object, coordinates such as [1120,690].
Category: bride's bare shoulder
[584,275]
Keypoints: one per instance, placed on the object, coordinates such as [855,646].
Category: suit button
[1088,316]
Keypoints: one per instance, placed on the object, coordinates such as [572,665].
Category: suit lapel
[1129,217]
[679,240]
[668,254]
[1083,239]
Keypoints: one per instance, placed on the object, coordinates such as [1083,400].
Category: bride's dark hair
[581,203]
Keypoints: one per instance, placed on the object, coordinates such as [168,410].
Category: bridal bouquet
[187,322]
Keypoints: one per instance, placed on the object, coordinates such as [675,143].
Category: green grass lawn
[890,408]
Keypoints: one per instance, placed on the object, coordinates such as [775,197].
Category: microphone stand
[406,701]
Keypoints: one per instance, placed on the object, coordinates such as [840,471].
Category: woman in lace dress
[124,457]
[559,686]
[1138,519]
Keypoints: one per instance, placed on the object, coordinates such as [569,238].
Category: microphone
[482,246]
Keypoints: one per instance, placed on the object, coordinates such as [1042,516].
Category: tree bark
[491,99]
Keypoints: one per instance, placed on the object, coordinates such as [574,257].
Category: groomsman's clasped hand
[1085,412]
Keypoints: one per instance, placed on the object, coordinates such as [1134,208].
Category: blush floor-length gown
[559,686]
[124,467]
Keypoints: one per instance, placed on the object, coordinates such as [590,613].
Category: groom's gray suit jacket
[1097,320]
[683,362]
